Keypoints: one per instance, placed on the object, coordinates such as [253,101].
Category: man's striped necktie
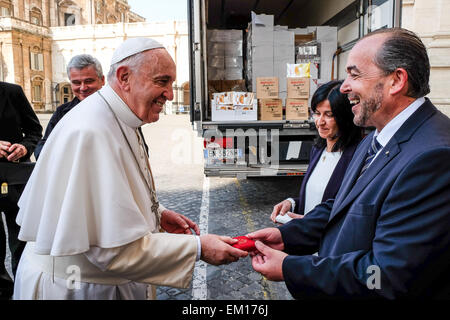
[375,146]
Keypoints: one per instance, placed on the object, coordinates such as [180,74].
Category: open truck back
[236,44]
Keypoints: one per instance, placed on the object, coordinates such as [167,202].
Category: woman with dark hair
[331,154]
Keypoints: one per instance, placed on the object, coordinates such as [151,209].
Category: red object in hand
[244,243]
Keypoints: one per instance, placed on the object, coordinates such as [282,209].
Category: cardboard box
[223,98]
[267,87]
[297,109]
[233,98]
[243,98]
[270,109]
[222,112]
[298,88]
[234,112]
[246,112]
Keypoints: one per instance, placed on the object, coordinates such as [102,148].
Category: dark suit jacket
[335,180]
[396,217]
[58,115]
[18,122]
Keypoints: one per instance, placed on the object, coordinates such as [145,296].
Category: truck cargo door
[196,76]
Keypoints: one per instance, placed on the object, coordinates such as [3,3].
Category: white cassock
[86,213]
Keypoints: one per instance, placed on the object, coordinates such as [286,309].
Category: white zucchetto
[132,46]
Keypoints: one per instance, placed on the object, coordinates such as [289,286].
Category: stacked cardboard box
[234,106]
[270,107]
[297,94]
[283,53]
[316,45]
[260,59]
[225,54]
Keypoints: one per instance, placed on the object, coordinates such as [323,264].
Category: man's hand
[270,236]
[174,222]
[217,250]
[16,151]
[4,147]
[269,262]
[281,208]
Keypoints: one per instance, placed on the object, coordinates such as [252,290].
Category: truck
[268,37]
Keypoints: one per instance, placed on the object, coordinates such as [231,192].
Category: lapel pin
[387,153]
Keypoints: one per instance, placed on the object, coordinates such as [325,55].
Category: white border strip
[199,288]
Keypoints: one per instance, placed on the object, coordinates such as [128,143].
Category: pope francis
[90,214]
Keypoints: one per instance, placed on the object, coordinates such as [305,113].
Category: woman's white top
[318,180]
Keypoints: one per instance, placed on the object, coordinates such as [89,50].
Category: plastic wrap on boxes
[262,20]
[216,48]
[233,73]
[216,62]
[229,35]
[216,74]
[233,49]
[233,62]
[301,70]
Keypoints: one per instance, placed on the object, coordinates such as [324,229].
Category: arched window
[65,92]
[69,13]
[36,16]
[69,19]
[36,59]
[37,92]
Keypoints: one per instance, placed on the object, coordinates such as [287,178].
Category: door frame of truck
[198,62]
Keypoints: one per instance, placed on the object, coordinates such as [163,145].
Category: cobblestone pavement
[236,207]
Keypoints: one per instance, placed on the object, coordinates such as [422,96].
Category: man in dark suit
[86,77]
[20,130]
[386,234]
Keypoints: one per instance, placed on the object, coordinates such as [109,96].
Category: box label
[267,87]
[297,109]
[298,88]
[271,109]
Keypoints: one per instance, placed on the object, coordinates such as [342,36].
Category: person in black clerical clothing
[86,77]
[20,130]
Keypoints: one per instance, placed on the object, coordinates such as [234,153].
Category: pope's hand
[217,250]
[269,262]
[269,236]
[174,222]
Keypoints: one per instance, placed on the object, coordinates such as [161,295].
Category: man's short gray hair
[82,61]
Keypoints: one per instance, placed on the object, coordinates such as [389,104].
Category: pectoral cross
[153,197]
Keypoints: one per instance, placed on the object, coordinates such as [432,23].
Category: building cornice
[119,30]
[10,24]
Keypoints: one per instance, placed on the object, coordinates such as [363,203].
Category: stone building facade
[101,40]
[430,19]
[27,40]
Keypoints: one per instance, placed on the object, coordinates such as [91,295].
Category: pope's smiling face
[151,84]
